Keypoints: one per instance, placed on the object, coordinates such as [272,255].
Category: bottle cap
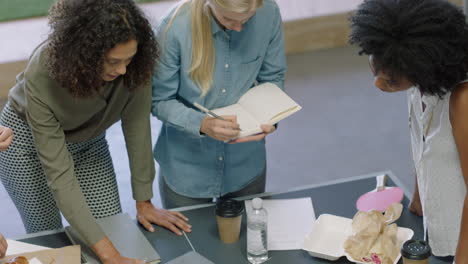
[257,203]
[229,208]
[416,250]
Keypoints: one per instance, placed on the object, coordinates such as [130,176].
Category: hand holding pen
[223,128]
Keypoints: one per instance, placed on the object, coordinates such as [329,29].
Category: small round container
[415,252]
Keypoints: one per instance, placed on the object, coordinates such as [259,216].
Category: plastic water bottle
[257,251]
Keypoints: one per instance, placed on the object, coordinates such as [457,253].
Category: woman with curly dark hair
[92,71]
[421,46]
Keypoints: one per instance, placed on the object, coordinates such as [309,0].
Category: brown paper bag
[374,235]
[65,255]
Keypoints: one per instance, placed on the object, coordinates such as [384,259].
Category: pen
[207,111]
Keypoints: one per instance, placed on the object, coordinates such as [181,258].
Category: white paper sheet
[289,221]
[17,247]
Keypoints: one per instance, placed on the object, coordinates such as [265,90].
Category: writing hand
[219,129]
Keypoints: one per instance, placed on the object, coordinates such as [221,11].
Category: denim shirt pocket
[249,71]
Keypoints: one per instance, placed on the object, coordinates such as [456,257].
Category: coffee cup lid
[229,208]
[416,250]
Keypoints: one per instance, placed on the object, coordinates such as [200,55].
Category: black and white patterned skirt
[23,177]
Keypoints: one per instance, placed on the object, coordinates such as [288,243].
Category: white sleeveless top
[441,184]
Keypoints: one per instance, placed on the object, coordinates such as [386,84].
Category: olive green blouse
[56,117]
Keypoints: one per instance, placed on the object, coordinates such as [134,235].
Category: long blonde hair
[203,52]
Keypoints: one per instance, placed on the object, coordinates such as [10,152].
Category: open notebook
[124,234]
[262,104]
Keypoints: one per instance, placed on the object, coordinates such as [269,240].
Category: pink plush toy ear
[380,198]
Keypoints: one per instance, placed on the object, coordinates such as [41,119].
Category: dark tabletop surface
[338,199]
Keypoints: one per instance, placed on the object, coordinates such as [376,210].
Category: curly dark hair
[425,41]
[83,31]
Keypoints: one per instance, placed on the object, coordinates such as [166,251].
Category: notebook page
[247,123]
[268,103]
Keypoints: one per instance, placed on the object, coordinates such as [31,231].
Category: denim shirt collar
[215,28]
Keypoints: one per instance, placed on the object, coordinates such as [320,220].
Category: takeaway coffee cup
[229,218]
[415,252]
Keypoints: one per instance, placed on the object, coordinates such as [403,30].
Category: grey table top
[336,198]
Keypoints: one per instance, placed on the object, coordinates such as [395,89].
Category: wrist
[142,204]
[202,126]
[105,250]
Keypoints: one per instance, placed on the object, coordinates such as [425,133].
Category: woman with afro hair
[421,46]
[93,70]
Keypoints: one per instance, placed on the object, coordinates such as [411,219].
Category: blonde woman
[213,51]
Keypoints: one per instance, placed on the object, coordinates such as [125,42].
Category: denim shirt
[192,164]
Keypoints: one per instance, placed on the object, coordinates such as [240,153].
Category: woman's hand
[267,129]
[219,129]
[147,215]
[3,246]
[108,254]
[6,136]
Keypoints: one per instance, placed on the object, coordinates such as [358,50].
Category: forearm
[105,250]
[140,156]
[72,203]
[59,170]
[462,248]
[136,128]
[179,116]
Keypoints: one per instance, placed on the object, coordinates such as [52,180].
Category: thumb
[268,128]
